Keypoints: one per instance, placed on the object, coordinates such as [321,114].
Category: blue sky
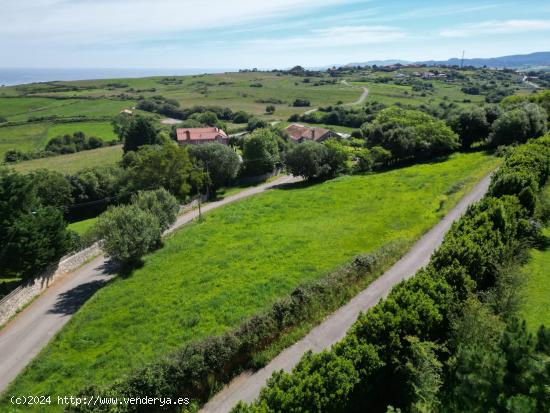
[263,34]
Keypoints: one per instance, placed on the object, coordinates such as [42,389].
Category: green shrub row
[198,369]
[370,369]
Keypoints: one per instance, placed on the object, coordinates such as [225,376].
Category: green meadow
[73,162]
[211,275]
[536,298]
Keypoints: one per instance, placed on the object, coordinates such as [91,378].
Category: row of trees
[449,339]
[59,145]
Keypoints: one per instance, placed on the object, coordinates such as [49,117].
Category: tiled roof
[199,134]
[298,132]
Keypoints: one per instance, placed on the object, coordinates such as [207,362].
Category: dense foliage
[447,339]
[32,235]
[139,131]
[220,161]
[518,124]
[260,152]
[410,134]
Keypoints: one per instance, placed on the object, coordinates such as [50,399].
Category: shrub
[308,159]
[518,124]
[301,102]
[471,126]
[128,232]
[256,123]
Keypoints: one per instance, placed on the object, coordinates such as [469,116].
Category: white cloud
[497,27]
[77,19]
[334,37]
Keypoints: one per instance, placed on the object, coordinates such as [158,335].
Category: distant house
[300,133]
[401,75]
[126,111]
[428,75]
[197,136]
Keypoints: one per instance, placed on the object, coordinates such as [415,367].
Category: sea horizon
[20,76]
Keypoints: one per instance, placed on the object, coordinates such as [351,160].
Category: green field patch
[103,130]
[536,298]
[28,137]
[211,275]
[82,227]
[74,161]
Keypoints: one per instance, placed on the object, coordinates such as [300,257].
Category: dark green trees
[260,152]
[138,131]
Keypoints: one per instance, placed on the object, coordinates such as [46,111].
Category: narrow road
[359,101]
[247,386]
[24,336]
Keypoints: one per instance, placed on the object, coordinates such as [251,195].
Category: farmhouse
[197,136]
[300,133]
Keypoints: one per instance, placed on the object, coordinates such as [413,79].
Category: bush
[128,232]
[240,117]
[256,123]
[139,131]
[301,102]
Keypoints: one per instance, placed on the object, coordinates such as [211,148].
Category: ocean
[18,76]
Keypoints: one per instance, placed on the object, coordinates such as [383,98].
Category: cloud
[497,27]
[341,36]
[78,19]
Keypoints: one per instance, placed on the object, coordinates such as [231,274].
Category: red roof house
[197,136]
[300,133]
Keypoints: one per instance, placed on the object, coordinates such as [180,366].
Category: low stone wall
[22,295]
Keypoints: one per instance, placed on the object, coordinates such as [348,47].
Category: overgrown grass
[74,161]
[536,297]
[210,276]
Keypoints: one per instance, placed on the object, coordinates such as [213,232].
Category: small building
[197,136]
[300,133]
[126,111]
[401,76]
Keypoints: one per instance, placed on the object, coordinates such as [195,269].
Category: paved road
[247,386]
[23,338]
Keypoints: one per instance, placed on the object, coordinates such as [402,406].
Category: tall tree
[138,132]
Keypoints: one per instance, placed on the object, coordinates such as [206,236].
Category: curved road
[247,386]
[360,100]
[24,336]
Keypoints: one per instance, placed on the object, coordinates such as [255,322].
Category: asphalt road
[24,336]
[247,386]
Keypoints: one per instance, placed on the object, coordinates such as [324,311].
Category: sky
[263,33]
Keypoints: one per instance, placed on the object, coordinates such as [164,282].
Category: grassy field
[103,130]
[74,161]
[536,300]
[26,137]
[209,276]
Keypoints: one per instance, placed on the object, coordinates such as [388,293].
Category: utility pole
[462,61]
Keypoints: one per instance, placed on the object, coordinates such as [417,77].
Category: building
[300,133]
[197,136]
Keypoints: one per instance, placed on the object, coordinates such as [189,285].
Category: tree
[256,123]
[308,159]
[32,236]
[128,232]
[410,134]
[518,125]
[260,152]
[220,161]
[140,131]
[471,125]
[53,188]
[270,109]
[167,166]
[163,205]
[240,117]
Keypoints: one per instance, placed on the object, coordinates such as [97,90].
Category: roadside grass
[536,293]
[75,161]
[211,275]
[103,130]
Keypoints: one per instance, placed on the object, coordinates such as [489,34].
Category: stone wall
[22,295]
